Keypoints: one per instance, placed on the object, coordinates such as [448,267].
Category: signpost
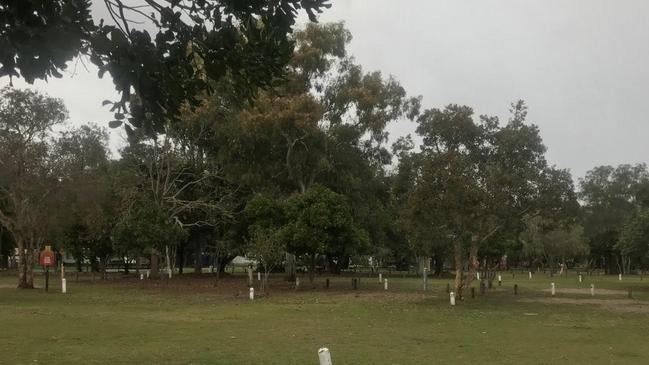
[47,258]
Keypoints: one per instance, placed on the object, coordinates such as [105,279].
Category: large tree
[27,179]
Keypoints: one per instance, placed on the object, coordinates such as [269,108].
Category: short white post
[530,275]
[380,277]
[385,284]
[297,283]
[252,293]
[500,278]
[452,297]
[592,290]
[478,275]
[619,277]
[324,356]
[581,278]
[64,286]
[141,276]
[258,275]
[552,287]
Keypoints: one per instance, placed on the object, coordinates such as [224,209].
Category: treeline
[304,175]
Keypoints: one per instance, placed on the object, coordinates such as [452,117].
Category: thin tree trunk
[458,256]
[290,267]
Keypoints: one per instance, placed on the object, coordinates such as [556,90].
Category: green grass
[189,322]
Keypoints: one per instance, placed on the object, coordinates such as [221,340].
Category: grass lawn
[187,321]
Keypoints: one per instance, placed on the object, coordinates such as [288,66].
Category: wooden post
[327,283]
[324,356]
[592,290]
[515,289]
[448,287]
[472,292]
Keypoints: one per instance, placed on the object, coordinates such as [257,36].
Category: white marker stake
[258,276]
[553,289]
[252,293]
[324,356]
[452,297]
[64,286]
[297,283]
[500,278]
[477,275]
[380,277]
[619,277]
[530,275]
[592,290]
[141,276]
[385,284]
[580,278]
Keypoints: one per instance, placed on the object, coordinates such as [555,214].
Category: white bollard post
[592,290]
[619,277]
[530,275]
[581,278]
[552,287]
[477,275]
[452,297]
[141,276]
[380,277]
[324,356]
[385,284]
[64,286]
[258,276]
[297,283]
[500,278]
[252,293]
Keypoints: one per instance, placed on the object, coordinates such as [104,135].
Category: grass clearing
[188,321]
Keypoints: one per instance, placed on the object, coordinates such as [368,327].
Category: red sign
[47,257]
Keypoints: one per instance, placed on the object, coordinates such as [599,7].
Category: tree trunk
[198,257]
[312,268]
[458,258]
[290,267]
[155,268]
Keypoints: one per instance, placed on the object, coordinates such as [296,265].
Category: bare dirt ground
[613,305]
[586,291]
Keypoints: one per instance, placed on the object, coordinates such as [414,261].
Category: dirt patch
[613,305]
[586,291]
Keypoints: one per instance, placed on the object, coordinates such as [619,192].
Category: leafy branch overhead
[161,54]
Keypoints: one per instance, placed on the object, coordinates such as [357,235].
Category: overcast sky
[581,66]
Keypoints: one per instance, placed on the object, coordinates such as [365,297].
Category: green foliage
[320,221]
[192,45]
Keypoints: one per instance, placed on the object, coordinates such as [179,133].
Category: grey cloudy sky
[581,66]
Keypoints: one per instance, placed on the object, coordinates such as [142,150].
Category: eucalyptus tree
[89,194]
[476,180]
[611,196]
[27,181]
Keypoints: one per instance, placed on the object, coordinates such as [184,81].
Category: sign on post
[46,259]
